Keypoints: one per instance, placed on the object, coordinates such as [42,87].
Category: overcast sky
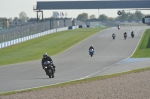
[12,8]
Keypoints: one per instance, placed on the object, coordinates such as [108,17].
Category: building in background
[55,14]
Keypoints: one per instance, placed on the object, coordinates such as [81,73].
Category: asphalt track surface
[111,56]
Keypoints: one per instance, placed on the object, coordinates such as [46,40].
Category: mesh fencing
[34,28]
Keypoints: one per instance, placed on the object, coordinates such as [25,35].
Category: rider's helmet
[113,34]
[45,55]
[91,47]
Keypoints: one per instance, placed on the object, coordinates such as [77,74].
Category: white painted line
[101,70]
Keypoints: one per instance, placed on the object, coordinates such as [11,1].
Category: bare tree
[23,16]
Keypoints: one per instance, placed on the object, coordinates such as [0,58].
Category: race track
[110,56]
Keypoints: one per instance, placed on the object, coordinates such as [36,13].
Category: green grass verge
[52,44]
[143,49]
[78,81]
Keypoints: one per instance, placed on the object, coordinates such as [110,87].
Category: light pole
[57,24]
[98,13]
[98,18]
[50,23]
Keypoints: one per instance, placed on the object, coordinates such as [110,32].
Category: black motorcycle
[49,69]
[113,36]
[132,35]
[91,52]
[125,37]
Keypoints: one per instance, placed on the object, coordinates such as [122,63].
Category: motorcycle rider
[91,47]
[46,58]
[132,34]
[113,35]
[125,34]
[118,26]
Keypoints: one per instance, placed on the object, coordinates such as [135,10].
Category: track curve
[75,63]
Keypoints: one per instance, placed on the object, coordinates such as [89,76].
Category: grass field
[52,44]
[143,49]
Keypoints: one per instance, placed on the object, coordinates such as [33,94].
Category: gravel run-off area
[128,86]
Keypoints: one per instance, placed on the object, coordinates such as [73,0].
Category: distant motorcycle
[132,34]
[113,36]
[49,69]
[125,36]
[118,27]
[91,52]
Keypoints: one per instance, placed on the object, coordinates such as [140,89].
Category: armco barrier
[12,42]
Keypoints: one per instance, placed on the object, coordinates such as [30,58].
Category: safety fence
[24,32]
[25,38]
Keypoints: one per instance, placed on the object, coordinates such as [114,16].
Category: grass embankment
[143,49]
[52,44]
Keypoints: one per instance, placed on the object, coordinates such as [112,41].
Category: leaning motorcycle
[91,52]
[49,69]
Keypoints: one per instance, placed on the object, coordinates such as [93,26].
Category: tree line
[126,16]
[8,21]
